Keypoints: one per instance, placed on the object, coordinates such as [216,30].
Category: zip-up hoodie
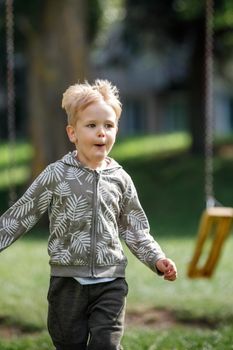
[89,211]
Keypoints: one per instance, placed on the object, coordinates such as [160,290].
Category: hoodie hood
[71,160]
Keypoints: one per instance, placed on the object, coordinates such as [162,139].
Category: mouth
[100,145]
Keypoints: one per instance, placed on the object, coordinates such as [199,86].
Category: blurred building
[153,87]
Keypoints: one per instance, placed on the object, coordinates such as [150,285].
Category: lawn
[201,309]
[199,313]
[14,164]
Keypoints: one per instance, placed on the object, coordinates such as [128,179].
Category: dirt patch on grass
[160,318]
[148,318]
[9,329]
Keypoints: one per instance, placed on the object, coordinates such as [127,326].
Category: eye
[109,126]
[91,125]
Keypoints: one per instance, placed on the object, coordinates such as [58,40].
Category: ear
[71,133]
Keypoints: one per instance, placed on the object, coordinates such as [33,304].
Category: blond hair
[77,97]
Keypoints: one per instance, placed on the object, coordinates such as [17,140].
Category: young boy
[92,203]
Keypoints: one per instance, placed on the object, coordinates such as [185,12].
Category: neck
[98,165]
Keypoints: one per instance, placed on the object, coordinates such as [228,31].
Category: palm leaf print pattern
[10,225]
[52,173]
[65,257]
[5,241]
[54,248]
[44,200]
[7,232]
[23,206]
[137,219]
[103,256]
[24,214]
[60,225]
[80,243]
[63,189]
[29,222]
[76,207]
[74,174]
[72,194]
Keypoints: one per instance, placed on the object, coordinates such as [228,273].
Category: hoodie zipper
[94,223]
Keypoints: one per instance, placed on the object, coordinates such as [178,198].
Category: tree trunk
[57,59]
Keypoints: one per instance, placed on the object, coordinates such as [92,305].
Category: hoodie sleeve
[135,230]
[25,213]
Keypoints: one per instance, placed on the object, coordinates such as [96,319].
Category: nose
[101,131]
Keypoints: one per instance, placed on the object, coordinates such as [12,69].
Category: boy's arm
[135,231]
[25,213]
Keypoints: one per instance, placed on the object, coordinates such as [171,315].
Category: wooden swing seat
[215,224]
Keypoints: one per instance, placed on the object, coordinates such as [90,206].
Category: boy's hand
[168,268]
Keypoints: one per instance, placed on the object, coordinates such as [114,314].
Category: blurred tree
[54,37]
[57,56]
[177,21]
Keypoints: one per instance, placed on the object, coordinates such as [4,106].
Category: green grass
[14,159]
[36,342]
[170,186]
[24,272]
[150,145]
[21,152]
[14,168]
[145,339]
[24,278]
[180,339]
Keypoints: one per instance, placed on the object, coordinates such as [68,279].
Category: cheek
[112,139]
[85,139]
[114,136]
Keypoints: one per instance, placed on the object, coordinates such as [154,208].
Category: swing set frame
[216,221]
[215,224]
[9,7]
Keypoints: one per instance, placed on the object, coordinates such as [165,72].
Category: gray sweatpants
[86,317]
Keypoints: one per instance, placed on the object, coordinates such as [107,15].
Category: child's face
[94,134]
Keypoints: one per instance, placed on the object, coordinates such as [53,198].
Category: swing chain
[10,93]
[209,117]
